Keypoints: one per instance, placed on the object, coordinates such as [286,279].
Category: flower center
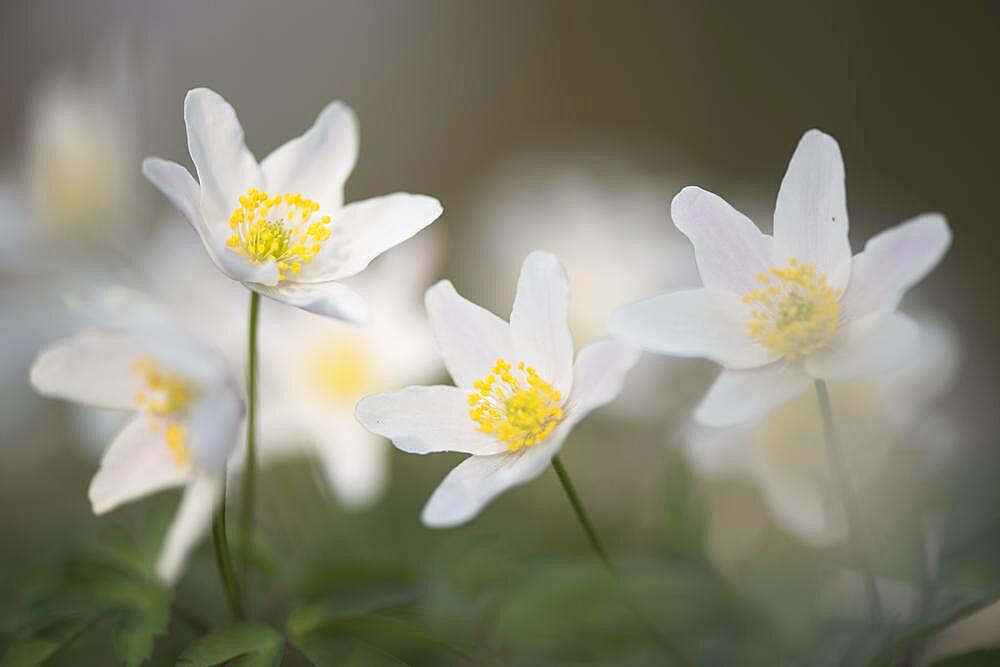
[277,229]
[794,311]
[166,397]
[341,369]
[516,405]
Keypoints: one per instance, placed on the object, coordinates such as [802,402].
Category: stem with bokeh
[847,502]
[581,513]
[224,561]
[250,470]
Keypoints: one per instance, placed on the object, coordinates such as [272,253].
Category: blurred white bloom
[187,412]
[779,312]
[260,229]
[78,175]
[781,453]
[316,370]
[517,395]
[606,225]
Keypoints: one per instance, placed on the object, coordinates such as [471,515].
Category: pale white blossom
[186,411]
[781,311]
[280,226]
[517,392]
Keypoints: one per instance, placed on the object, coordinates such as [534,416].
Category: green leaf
[980,658]
[394,640]
[917,631]
[137,626]
[45,641]
[249,645]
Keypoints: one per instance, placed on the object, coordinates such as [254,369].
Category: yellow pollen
[278,229]
[794,311]
[342,368]
[516,405]
[166,397]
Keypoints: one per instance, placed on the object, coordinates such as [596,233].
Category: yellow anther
[263,230]
[166,398]
[515,405]
[797,314]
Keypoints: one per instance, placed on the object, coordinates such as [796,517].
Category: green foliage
[245,645]
[114,584]
[981,658]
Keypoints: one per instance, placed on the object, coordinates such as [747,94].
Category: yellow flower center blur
[515,405]
[166,396]
[278,229]
[788,437]
[794,311]
[341,369]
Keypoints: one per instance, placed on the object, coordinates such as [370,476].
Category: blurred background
[564,126]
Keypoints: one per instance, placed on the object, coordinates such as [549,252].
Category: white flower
[82,148]
[779,312]
[316,370]
[874,415]
[187,412]
[518,391]
[281,227]
[618,249]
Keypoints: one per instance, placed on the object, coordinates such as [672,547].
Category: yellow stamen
[794,311]
[166,397]
[516,405]
[277,229]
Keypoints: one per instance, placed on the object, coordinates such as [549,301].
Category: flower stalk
[581,513]
[224,561]
[250,471]
[847,501]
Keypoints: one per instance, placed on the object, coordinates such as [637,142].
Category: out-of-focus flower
[518,392]
[258,226]
[779,312]
[316,370]
[78,177]
[781,455]
[607,227]
[187,411]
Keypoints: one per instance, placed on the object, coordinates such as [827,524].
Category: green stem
[250,471]
[581,513]
[224,561]
[847,501]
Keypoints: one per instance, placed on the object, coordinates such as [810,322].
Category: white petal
[356,465]
[93,367]
[190,525]
[470,338]
[730,250]
[226,168]
[138,463]
[363,230]
[716,452]
[318,162]
[801,507]
[330,299]
[598,377]
[420,420]
[477,480]
[872,344]
[692,323]
[810,217]
[180,188]
[214,426]
[538,323]
[739,396]
[893,262]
